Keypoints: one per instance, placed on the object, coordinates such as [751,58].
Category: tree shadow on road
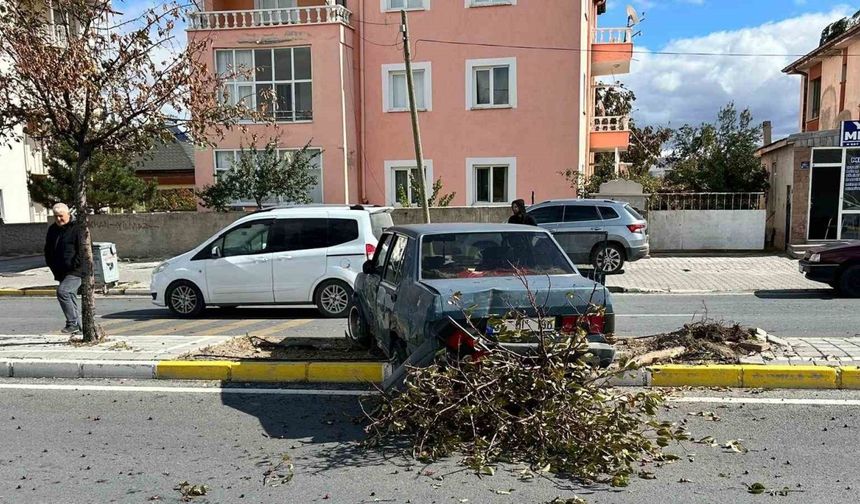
[268,313]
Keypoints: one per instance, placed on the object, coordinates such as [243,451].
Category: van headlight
[816,258]
[161,267]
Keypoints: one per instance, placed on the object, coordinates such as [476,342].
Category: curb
[52,291]
[744,376]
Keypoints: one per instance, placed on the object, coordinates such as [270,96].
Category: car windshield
[477,255]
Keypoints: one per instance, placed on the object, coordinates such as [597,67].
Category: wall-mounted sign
[850,134]
[804,165]
[851,187]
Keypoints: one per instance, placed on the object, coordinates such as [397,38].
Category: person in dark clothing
[518,208]
[62,256]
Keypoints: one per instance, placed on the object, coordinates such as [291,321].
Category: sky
[676,90]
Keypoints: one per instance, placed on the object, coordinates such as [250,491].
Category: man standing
[64,259]
[518,208]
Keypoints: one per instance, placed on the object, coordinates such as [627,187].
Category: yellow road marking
[224,329]
[180,329]
[281,327]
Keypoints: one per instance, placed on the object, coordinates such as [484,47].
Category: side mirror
[216,251]
[369,267]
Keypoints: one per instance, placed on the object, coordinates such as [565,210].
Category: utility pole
[413,112]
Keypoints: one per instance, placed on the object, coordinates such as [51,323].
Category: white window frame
[385,6]
[423,66]
[488,3]
[281,151]
[234,84]
[481,64]
[471,178]
[405,164]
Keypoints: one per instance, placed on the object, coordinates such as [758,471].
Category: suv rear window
[607,212]
[632,211]
[379,222]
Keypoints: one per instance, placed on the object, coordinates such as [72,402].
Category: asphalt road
[791,314]
[126,445]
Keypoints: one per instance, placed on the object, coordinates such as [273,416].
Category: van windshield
[379,222]
[478,255]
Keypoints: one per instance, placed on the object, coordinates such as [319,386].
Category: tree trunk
[91,332]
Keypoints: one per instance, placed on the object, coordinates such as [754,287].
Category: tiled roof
[173,156]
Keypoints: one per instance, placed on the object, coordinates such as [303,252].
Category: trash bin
[105,264]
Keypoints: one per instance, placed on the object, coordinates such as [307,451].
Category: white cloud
[690,89]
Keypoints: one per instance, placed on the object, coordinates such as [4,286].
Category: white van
[286,256]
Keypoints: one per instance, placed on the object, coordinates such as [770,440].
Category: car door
[372,280]
[298,257]
[388,287]
[240,270]
[581,230]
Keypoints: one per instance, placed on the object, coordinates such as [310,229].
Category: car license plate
[533,325]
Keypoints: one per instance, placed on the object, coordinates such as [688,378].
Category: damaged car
[429,286]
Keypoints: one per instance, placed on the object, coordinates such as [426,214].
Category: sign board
[804,165]
[850,134]
[851,187]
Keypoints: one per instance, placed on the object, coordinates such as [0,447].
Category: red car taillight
[459,338]
[594,323]
[636,228]
[369,249]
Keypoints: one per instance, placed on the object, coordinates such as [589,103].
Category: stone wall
[22,239]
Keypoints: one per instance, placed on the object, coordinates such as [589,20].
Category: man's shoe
[71,329]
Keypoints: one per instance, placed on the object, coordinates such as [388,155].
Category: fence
[708,201]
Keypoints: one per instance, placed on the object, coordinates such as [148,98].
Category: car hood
[557,294]
[836,248]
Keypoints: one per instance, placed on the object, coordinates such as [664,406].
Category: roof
[822,51]
[824,138]
[417,230]
[177,155]
[580,201]
[322,208]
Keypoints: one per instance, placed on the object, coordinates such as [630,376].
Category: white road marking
[768,400]
[685,315]
[181,390]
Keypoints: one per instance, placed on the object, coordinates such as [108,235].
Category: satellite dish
[632,17]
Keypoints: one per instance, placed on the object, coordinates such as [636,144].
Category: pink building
[505,89]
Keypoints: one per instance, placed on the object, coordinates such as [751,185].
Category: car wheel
[332,298]
[185,299]
[608,259]
[357,329]
[849,281]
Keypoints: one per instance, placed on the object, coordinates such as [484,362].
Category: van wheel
[849,281]
[608,258]
[185,299]
[332,298]
[357,330]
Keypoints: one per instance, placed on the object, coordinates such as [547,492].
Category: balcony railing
[613,35]
[610,123]
[225,20]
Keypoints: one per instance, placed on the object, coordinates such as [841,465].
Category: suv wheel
[332,298]
[184,299]
[357,329]
[849,281]
[608,258]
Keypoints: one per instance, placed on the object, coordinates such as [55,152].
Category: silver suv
[603,233]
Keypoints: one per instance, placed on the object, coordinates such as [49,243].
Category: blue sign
[850,134]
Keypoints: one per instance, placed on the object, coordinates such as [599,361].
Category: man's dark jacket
[61,251]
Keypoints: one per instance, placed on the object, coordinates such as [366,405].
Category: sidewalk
[700,274]
[25,275]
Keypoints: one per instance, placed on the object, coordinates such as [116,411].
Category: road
[124,443]
[806,314]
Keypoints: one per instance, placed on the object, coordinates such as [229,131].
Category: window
[491,83]
[249,238]
[342,231]
[399,178]
[579,213]
[275,82]
[382,251]
[388,5]
[607,213]
[394,89]
[379,222]
[633,212]
[299,234]
[483,3]
[394,269]
[490,180]
[224,160]
[815,98]
[549,214]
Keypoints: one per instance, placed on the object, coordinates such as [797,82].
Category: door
[372,281]
[298,257]
[388,288]
[581,231]
[824,202]
[788,198]
[242,271]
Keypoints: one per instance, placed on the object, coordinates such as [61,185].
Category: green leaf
[756,488]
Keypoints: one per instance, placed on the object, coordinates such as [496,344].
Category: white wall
[16,160]
[707,229]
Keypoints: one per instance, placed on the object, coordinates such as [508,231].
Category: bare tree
[78,72]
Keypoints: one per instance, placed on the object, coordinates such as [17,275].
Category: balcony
[611,51]
[267,18]
[610,133]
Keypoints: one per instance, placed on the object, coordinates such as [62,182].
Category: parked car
[837,265]
[286,256]
[603,233]
[403,301]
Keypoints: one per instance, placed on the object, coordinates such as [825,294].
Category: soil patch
[283,349]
